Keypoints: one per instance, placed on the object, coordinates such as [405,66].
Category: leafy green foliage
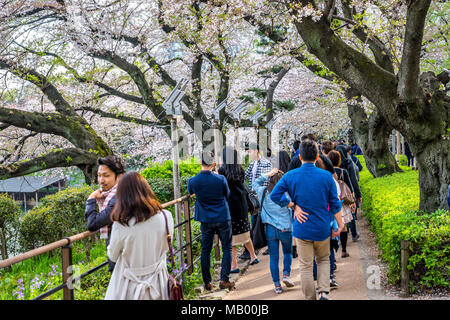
[9,210]
[391,207]
[59,215]
[160,177]
[284,105]
[9,217]
[403,160]
[35,276]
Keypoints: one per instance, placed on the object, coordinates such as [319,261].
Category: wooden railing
[184,254]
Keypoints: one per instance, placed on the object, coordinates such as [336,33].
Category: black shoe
[265,253]
[354,239]
[245,256]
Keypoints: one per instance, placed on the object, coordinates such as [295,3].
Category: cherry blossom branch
[124,118]
[381,53]
[55,159]
[41,82]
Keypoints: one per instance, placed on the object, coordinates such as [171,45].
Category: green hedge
[160,177]
[9,218]
[58,216]
[390,205]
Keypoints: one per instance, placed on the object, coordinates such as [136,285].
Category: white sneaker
[288,282]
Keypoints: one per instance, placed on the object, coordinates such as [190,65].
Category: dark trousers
[410,160]
[223,230]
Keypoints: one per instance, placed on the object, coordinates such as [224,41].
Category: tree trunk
[4,248]
[419,113]
[433,162]
[372,135]
[3,241]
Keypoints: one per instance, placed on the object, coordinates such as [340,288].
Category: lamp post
[236,115]
[286,130]
[255,119]
[173,111]
[216,114]
[269,127]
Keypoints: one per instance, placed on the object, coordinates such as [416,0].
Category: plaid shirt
[263,166]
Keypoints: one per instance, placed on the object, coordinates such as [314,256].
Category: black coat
[237,202]
[95,220]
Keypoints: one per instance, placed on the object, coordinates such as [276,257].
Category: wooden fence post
[404,267]
[66,253]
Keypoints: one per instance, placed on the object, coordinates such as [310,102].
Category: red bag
[175,289]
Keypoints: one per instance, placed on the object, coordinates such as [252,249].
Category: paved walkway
[353,275]
[256,283]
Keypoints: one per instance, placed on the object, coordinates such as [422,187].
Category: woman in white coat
[138,243]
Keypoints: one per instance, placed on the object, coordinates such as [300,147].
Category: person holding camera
[110,170]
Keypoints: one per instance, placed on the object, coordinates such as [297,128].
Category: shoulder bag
[259,233]
[175,289]
[346,193]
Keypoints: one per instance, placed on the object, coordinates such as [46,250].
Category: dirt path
[356,275]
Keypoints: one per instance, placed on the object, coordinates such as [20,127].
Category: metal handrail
[66,241]
[44,249]
[66,248]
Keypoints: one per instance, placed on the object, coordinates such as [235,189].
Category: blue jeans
[274,237]
[223,230]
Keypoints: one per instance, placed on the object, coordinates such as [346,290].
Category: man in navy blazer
[211,209]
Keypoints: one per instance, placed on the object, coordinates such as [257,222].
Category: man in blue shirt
[314,192]
[211,209]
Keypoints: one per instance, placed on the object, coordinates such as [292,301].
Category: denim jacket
[271,213]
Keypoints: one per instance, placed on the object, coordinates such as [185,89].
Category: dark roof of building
[27,184]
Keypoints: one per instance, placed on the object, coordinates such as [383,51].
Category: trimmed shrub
[391,204]
[58,216]
[9,217]
[403,160]
[160,177]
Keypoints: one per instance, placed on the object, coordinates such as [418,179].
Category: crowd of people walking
[307,202]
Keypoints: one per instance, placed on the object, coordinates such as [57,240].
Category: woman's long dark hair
[283,161]
[274,180]
[134,198]
[230,168]
[343,152]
